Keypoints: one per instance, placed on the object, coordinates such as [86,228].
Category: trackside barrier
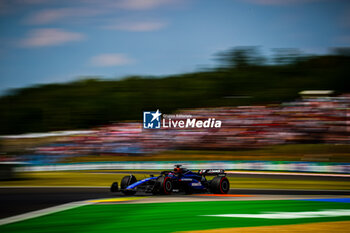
[322,167]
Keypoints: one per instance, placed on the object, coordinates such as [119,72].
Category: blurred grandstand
[308,120]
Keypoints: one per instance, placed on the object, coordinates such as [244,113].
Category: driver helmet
[177,170]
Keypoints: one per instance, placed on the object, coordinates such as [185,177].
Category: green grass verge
[171,217]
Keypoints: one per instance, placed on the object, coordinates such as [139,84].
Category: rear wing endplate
[212,172]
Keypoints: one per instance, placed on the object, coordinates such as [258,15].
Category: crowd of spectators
[308,120]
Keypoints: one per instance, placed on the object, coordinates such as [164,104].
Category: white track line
[289,174]
[43,212]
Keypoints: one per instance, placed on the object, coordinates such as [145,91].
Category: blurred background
[77,75]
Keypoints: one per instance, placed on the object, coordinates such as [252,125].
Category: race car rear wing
[212,172]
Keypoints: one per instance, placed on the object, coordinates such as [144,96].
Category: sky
[51,41]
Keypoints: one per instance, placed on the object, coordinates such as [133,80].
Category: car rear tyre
[220,185]
[126,181]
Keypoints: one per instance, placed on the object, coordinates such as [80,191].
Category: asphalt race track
[14,201]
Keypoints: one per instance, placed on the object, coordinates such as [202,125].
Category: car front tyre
[126,181]
[164,185]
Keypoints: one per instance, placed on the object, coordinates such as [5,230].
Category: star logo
[156,115]
[151,120]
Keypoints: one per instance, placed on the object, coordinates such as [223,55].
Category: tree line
[242,78]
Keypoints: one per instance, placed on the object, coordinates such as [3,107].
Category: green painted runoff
[170,217]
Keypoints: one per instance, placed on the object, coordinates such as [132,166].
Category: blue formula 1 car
[178,180]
